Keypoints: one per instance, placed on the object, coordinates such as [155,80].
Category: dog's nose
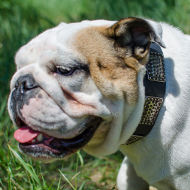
[26,83]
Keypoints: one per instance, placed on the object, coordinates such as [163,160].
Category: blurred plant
[19,23]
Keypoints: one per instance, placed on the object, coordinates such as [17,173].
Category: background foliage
[19,22]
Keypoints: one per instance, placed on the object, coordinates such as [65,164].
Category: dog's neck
[154,91]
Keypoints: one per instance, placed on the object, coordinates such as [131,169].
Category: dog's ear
[135,34]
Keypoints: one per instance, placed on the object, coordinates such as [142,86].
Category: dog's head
[77,85]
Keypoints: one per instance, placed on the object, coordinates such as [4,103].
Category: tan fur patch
[113,71]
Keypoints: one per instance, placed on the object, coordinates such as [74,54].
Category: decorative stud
[155,67]
[151,109]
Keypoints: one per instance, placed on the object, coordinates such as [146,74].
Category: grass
[20,21]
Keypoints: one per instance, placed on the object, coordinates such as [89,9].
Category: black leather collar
[155,86]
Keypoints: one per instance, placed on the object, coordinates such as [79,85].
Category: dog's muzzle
[36,143]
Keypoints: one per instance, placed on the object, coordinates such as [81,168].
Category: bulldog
[82,86]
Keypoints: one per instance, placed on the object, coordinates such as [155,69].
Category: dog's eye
[66,71]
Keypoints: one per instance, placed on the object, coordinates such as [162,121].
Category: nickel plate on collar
[151,109]
[155,67]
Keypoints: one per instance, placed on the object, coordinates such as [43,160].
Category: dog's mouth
[39,145]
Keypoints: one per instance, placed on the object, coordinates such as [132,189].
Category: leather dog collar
[155,86]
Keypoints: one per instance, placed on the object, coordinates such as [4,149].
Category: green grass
[19,22]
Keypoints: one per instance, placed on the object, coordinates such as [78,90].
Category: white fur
[162,158]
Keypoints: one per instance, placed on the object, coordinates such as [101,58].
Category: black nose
[26,83]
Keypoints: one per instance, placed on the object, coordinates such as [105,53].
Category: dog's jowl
[105,86]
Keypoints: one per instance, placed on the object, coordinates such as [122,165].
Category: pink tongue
[25,134]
